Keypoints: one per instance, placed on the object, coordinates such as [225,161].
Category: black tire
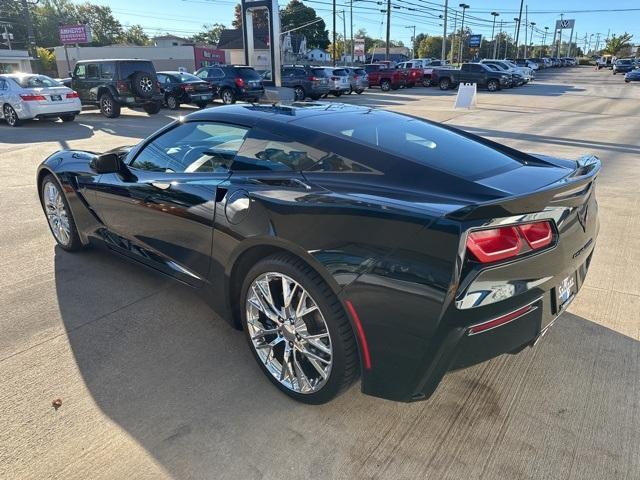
[201,105]
[627,81]
[493,85]
[227,96]
[345,366]
[385,85]
[143,84]
[74,243]
[299,94]
[172,102]
[360,91]
[68,118]
[445,84]
[108,106]
[10,116]
[426,82]
[152,108]
[614,72]
[337,93]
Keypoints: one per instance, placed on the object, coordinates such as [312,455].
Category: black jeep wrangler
[112,84]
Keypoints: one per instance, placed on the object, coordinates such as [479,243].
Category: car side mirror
[106,163]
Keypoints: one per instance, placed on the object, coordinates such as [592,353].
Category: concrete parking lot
[154,385]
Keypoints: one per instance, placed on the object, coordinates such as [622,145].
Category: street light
[533,24]
[544,41]
[464,7]
[493,29]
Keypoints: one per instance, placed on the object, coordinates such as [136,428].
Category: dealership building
[167,53]
[15,61]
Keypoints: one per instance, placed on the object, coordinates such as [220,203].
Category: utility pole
[31,37]
[597,41]
[518,27]
[515,29]
[413,40]
[386,53]
[351,18]
[344,28]
[443,54]
[455,26]
[493,38]
[333,44]
[526,29]
[544,41]
[464,7]
[498,42]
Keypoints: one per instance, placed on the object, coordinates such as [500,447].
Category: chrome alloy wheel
[10,115]
[289,333]
[146,85]
[56,213]
[107,105]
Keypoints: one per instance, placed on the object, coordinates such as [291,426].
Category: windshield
[626,61]
[36,81]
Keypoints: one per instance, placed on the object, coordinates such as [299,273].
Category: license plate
[201,97]
[56,98]
[565,291]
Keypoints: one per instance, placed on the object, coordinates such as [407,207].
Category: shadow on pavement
[183,384]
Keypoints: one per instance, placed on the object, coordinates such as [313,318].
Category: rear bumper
[131,101]
[28,110]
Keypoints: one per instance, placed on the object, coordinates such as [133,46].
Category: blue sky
[184,17]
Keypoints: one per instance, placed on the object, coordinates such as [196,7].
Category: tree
[616,45]
[430,47]
[105,29]
[47,60]
[135,35]
[296,14]
[416,42]
[260,18]
[340,47]
[210,35]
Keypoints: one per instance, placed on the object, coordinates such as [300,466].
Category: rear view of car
[234,82]
[29,96]
[182,87]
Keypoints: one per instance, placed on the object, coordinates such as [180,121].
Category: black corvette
[346,242]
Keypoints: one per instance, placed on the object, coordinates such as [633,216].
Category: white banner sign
[466,97]
[358,47]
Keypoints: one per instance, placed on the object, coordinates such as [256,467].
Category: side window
[216,73]
[107,70]
[266,151]
[193,147]
[93,71]
[81,71]
[202,74]
[162,78]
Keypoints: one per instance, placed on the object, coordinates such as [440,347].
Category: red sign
[205,56]
[75,34]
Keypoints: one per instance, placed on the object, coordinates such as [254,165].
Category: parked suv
[306,81]
[112,84]
[234,82]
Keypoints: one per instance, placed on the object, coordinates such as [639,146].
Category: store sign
[358,47]
[562,24]
[75,34]
[475,41]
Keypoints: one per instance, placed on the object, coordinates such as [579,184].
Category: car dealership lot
[154,385]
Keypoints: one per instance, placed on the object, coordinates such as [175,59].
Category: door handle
[161,185]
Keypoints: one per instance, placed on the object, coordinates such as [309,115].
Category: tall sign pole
[443,54]
[274,40]
[333,42]
[464,7]
[526,29]
[31,37]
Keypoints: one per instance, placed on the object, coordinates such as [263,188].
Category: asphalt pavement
[153,384]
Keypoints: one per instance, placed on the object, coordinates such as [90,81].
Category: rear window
[36,81]
[340,72]
[187,77]
[359,71]
[129,68]
[248,74]
[320,72]
[418,141]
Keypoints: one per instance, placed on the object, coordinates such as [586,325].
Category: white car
[25,96]
[338,82]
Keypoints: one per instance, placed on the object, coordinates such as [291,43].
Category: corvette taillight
[495,244]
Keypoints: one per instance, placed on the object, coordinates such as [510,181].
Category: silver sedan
[25,96]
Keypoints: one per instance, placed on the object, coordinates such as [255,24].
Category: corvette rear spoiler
[571,190]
